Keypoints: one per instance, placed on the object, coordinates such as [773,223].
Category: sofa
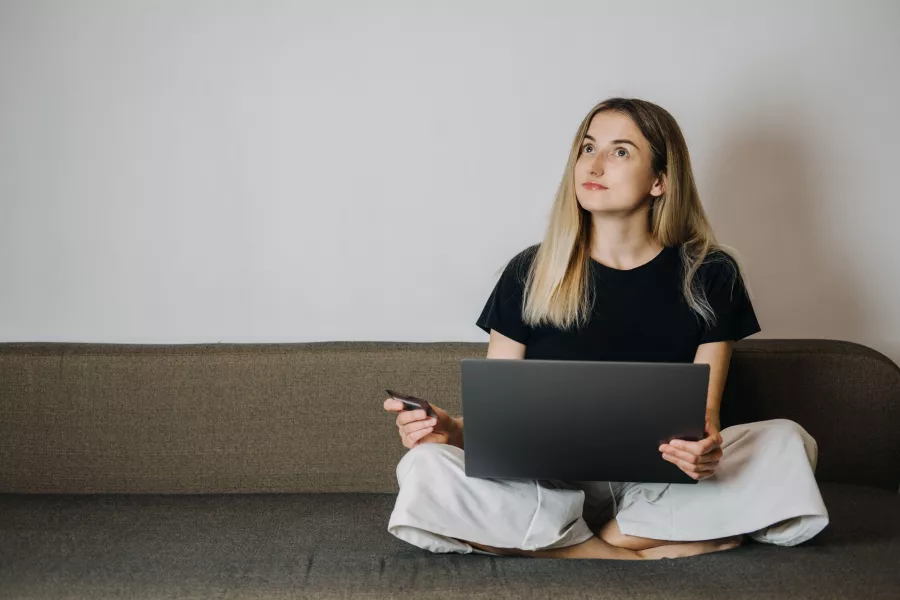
[268,471]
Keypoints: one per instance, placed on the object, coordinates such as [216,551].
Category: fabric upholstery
[250,471]
[308,417]
[329,546]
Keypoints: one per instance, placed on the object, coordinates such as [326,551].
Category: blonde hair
[556,287]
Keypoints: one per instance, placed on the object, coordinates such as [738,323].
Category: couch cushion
[337,546]
[308,417]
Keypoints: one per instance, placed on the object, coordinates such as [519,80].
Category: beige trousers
[764,486]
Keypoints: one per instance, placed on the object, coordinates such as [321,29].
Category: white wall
[276,172]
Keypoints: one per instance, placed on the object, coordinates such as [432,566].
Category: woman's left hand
[698,459]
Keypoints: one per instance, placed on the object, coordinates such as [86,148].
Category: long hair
[557,286]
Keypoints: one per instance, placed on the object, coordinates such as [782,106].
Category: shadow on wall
[763,201]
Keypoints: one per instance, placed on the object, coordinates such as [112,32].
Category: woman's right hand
[416,427]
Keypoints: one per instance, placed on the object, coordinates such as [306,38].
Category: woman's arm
[718,356]
[499,346]
[700,459]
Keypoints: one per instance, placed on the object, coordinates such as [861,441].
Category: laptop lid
[579,420]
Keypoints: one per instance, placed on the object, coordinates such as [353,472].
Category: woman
[629,270]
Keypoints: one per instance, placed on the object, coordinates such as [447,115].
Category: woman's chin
[606,208]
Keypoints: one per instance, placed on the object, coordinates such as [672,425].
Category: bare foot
[597,548]
[591,548]
[495,550]
[683,549]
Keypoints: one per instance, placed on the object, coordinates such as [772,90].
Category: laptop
[579,420]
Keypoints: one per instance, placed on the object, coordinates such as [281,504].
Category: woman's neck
[622,245]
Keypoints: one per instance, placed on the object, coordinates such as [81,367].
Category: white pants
[764,486]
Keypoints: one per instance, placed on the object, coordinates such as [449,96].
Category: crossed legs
[610,542]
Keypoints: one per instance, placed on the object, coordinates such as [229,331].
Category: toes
[732,542]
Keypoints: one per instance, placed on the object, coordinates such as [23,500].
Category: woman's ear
[659,186]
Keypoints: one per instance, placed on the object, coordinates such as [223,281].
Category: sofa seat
[336,545]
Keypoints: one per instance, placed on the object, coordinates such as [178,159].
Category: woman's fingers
[692,466]
[409,440]
[413,431]
[704,446]
[690,457]
[404,416]
[417,425]
[393,405]
[696,471]
[411,416]
[698,459]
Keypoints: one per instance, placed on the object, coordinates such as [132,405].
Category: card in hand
[413,403]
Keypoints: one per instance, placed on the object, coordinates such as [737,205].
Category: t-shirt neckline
[638,269]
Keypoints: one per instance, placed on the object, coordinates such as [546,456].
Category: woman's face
[616,155]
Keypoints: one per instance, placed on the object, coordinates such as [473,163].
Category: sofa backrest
[308,417]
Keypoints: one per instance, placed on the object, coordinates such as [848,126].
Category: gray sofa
[267,471]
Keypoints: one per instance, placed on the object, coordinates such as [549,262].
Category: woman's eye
[623,150]
[586,146]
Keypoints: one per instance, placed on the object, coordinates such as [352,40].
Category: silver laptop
[579,420]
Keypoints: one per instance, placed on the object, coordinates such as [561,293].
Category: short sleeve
[729,299]
[503,309]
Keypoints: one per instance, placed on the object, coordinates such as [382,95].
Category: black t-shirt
[639,315]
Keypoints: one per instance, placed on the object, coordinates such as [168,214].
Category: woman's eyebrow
[615,141]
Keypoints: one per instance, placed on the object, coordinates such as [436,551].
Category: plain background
[259,171]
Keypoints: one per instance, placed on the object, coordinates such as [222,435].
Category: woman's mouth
[594,186]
